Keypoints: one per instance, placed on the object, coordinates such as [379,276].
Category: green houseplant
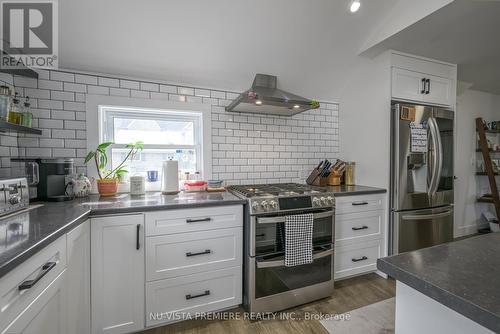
[107,183]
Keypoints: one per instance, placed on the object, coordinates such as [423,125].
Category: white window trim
[94,102]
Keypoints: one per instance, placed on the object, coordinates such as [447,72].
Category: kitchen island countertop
[461,275]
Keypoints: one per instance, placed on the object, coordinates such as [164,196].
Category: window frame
[107,129]
[93,123]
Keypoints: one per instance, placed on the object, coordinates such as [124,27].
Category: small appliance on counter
[55,177]
[14,195]
[32,169]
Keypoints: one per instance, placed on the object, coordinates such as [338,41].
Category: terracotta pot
[107,187]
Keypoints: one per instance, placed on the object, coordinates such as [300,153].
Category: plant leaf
[89,156]
[104,146]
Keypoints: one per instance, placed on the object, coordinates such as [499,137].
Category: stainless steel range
[269,285]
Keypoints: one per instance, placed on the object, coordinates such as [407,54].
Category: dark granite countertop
[24,234]
[344,190]
[462,275]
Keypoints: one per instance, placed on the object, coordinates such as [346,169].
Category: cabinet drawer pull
[207,251]
[197,220]
[260,235]
[424,81]
[137,241]
[360,228]
[359,259]
[206,293]
[428,84]
[359,203]
[30,283]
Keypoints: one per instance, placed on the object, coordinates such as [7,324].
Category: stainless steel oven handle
[281,263]
[281,219]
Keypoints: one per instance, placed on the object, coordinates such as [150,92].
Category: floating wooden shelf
[490,150]
[485,199]
[6,126]
[484,173]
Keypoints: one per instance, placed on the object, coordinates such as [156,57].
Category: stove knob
[256,206]
[324,201]
[330,200]
[265,205]
[316,201]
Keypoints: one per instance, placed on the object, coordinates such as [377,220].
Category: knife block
[334,179]
[320,181]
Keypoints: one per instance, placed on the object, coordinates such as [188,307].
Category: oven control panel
[275,204]
[322,201]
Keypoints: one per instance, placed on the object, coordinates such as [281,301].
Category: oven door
[267,235]
[272,277]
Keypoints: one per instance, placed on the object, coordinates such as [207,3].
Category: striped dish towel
[298,239]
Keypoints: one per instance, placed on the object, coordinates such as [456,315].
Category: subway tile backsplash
[246,148]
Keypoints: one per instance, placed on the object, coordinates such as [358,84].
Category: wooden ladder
[488,165]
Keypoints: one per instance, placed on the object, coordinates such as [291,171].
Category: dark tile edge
[464,307]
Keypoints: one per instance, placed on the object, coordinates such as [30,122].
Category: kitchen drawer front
[175,255]
[168,300]
[190,220]
[354,227]
[12,299]
[357,258]
[359,203]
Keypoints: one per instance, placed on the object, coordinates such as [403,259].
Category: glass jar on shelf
[4,102]
[27,116]
[15,111]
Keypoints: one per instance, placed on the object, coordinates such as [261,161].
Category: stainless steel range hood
[265,98]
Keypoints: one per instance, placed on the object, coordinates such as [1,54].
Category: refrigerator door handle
[429,216]
[437,156]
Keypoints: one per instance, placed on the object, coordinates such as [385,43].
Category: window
[166,135]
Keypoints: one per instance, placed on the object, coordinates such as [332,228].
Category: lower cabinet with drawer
[193,262]
[360,234]
[174,299]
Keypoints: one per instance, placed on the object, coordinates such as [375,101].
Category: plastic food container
[193,186]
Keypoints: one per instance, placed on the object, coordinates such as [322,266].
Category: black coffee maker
[55,175]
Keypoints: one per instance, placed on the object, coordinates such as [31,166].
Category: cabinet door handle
[359,203]
[137,243]
[360,228]
[206,293]
[359,259]
[260,235]
[197,220]
[428,84]
[422,85]
[207,251]
[30,283]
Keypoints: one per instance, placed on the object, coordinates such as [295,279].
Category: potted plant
[107,183]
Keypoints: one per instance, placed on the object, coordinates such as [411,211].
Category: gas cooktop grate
[277,189]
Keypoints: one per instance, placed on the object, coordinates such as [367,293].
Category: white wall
[470,105]
[365,121]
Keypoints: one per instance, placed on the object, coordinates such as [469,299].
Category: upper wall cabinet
[424,81]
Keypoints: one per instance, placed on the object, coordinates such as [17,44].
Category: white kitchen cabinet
[423,81]
[78,279]
[46,314]
[117,273]
[360,234]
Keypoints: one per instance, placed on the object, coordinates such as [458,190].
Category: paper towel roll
[170,177]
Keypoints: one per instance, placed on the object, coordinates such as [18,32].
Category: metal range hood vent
[265,98]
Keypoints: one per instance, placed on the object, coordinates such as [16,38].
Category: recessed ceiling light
[296,106]
[355,4]
[258,102]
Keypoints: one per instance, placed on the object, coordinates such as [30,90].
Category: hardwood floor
[349,294]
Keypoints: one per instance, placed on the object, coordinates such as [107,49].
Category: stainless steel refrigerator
[422,177]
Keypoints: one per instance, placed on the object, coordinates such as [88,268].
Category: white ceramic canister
[137,185]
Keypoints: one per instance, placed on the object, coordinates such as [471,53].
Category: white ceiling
[310,45]
[465,32]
